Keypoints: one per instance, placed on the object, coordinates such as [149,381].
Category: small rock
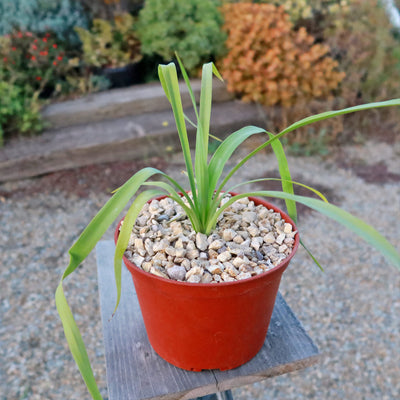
[194,279]
[180,252]
[128,254]
[201,241]
[238,261]
[282,248]
[159,273]
[216,244]
[249,216]
[289,241]
[225,256]
[162,217]
[259,256]
[179,244]
[137,260]
[161,245]
[194,271]
[154,207]
[231,270]
[280,238]
[243,275]
[138,244]
[186,264]
[160,256]
[148,245]
[217,278]
[176,228]
[257,242]
[206,278]
[287,228]
[203,255]
[238,239]
[253,230]
[228,234]
[226,277]
[177,272]
[146,266]
[141,220]
[212,254]
[215,269]
[269,238]
[191,245]
[258,270]
[171,251]
[192,254]
[262,212]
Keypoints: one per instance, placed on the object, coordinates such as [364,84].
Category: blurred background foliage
[292,57]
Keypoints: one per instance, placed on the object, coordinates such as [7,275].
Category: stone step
[125,138]
[118,103]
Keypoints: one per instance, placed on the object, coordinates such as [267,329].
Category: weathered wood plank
[118,103]
[135,137]
[136,372]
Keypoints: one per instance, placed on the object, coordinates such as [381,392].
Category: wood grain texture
[135,137]
[136,372]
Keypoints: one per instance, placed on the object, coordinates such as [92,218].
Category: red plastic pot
[208,326]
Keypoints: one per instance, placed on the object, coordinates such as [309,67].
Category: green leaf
[354,224]
[311,256]
[189,86]
[78,252]
[75,343]
[308,121]
[225,151]
[105,217]
[311,189]
[169,81]
[203,128]
[284,172]
[125,233]
[330,114]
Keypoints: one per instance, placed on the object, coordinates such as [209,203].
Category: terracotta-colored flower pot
[198,326]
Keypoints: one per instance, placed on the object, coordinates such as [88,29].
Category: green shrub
[110,43]
[190,27]
[58,16]
[369,54]
[32,62]
[19,113]
[271,63]
[367,51]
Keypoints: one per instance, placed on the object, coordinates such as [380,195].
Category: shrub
[19,113]
[190,27]
[32,62]
[269,62]
[307,9]
[110,44]
[29,66]
[40,16]
[369,53]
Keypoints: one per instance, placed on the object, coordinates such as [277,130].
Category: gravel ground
[352,310]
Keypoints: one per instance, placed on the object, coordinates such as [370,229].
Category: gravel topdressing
[248,240]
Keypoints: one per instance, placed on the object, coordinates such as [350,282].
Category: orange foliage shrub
[271,63]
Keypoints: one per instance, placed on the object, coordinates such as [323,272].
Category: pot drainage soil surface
[248,240]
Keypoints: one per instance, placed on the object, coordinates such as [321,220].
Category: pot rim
[283,264]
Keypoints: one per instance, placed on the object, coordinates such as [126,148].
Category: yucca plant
[207,187]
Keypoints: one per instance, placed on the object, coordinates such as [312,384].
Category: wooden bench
[136,372]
